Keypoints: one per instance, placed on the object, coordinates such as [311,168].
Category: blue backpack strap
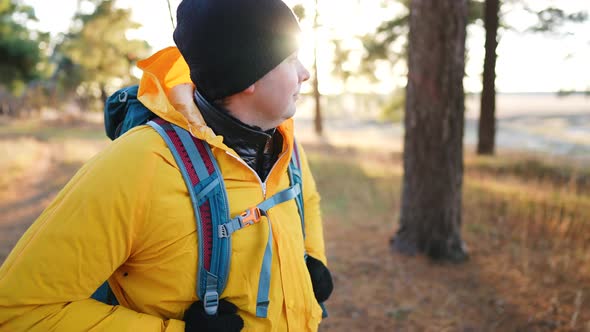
[253,216]
[262,300]
[295,178]
[207,191]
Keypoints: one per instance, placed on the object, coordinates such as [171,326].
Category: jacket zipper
[262,184]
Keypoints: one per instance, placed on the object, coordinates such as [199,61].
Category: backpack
[206,188]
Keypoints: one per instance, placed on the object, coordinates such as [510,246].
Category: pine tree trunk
[318,127]
[430,220]
[318,122]
[103,94]
[487,115]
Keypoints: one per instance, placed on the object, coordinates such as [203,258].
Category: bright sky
[526,63]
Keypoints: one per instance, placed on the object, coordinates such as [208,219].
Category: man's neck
[257,147]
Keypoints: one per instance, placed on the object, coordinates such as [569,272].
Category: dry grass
[26,142]
[16,156]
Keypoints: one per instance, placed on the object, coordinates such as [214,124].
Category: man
[126,215]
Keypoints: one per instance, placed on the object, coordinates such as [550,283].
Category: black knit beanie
[230,44]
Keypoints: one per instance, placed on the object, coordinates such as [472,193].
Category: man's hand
[321,279]
[226,320]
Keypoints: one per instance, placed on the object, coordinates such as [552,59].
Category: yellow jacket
[126,216]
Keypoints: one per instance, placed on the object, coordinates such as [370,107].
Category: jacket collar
[259,149]
[234,132]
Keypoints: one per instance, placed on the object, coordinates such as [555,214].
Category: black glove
[321,279]
[226,320]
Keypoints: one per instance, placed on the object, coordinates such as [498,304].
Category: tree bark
[430,220]
[487,115]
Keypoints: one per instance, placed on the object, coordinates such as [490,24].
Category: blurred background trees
[20,48]
[385,43]
[102,54]
[300,12]
[21,52]
[56,70]
[81,66]
[549,20]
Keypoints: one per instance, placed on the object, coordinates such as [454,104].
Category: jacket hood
[167,90]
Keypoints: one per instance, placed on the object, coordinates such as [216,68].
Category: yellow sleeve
[314,232]
[80,239]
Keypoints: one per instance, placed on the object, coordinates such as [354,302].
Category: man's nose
[303,73]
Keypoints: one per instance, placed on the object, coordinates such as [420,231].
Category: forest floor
[525,222]
[526,230]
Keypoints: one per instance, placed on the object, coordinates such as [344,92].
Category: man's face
[278,90]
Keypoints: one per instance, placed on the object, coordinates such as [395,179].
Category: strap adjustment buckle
[211,302]
[250,216]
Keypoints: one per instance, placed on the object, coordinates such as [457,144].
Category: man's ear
[249,90]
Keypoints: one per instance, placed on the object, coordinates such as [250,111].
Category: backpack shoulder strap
[207,192]
[253,216]
[210,205]
[296,179]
